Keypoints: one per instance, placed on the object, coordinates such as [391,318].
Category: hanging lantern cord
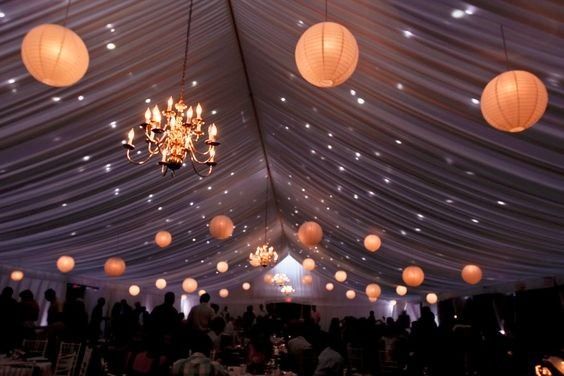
[183,79]
[67,13]
[325,10]
[266,211]
[504,47]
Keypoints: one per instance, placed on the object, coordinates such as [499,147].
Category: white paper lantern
[341,276]
[222,266]
[372,243]
[307,279]
[163,239]
[308,264]
[221,227]
[413,276]
[373,290]
[65,264]
[16,275]
[329,286]
[114,267]
[160,283]
[201,292]
[310,233]
[471,274]
[224,293]
[246,286]
[401,290]
[432,298]
[351,294]
[189,285]
[134,290]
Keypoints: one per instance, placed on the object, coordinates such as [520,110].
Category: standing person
[165,317]
[96,319]
[248,318]
[75,318]
[315,315]
[8,315]
[55,311]
[28,313]
[200,316]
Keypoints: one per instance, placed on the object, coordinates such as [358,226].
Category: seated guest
[300,350]
[199,362]
[330,362]
[200,316]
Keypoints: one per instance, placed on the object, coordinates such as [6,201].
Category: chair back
[83,371]
[68,348]
[65,365]
[35,346]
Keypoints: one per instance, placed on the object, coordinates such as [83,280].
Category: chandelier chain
[186,48]
[67,13]
[504,46]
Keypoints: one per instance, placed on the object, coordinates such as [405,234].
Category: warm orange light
[148,115]
[114,267]
[169,104]
[156,114]
[222,266]
[351,294]
[163,239]
[308,264]
[224,293]
[246,286]
[413,276]
[310,233]
[307,279]
[329,286]
[134,290]
[65,264]
[189,113]
[198,111]
[16,275]
[201,292]
[221,227]
[212,132]
[130,136]
[341,276]
[401,290]
[189,285]
[432,298]
[372,243]
[373,290]
[471,274]
[160,283]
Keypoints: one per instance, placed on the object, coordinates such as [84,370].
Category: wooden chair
[83,371]
[35,346]
[68,348]
[65,364]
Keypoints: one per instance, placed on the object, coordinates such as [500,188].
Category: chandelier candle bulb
[199,112]
[147,116]
[169,105]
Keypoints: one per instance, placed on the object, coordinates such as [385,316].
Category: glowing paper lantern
[221,227]
[268,278]
[189,285]
[372,243]
[432,298]
[163,239]
[160,283]
[514,101]
[16,275]
[310,233]
[246,286]
[471,274]
[329,286]
[373,290]
[55,55]
[308,264]
[341,276]
[351,294]
[201,292]
[413,276]
[222,266]
[224,293]
[326,54]
[307,279]
[134,290]
[114,267]
[401,290]
[65,264]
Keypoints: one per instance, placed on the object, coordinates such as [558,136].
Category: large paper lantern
[310,233]
[221,227]
[341,276]
[54,55]
[114,267]
[432,298]
[413,276]
[372,243]
[307,279]
[401,290]
[514,101]
[160,283]
[16,275]
[201,292]
[189,285]
[308,264]
[326,54]
[268,278]
[246,286]
[224,293]
[134,290]
[222,266]
[373,290]
[65,264]
[163,239]
[471,274]
[329,286]
[350,294]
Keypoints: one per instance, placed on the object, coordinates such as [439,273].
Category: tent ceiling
[414,163]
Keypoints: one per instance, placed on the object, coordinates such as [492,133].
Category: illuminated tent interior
[400,150]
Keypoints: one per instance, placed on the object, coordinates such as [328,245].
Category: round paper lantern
[471,274]
[160,283]
[308,264]
[224,293]
[65,264]
[373,290]
[432,298]
[246,286]
[134,290]
[341,276]
[310,233]
[268,278]
[16,275]
[372,243]
[329,286]
[189,285]
[413,276]
[401,290]
[221,227]
[114,267]
[326,54]
[372,300]
[222,266]
[514,101]
[201,292]
[54,55]
[163,239]
[307,279]
[351,294]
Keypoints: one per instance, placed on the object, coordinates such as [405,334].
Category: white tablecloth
[23,368]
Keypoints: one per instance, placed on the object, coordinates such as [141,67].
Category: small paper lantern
[222,266]
[189,285]
[514,101]
[163,239]
[308,264]
[134,290]
[114,267]
[373,290]
[221,227]
[401,290]
[224,293]
[326,54]
[432,298]
[471,274]
[413,276]
[16,275]
[268,278]
[329,286]
[310,233]
[341,276]
[201,292]
[246,286]
[307,279]
[372,243]
[55,55]
[351,294]
[65,264]
[372,300]
[160,283]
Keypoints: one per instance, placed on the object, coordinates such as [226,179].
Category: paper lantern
[221,227]
[372,300]
[401,290]
[514,101]
[160,283]
[201,292]
[307,279]
[471,274]
[341,276]
[413,276]
[372,243]
[65,264]
[222,266]
[163,239]
[189,285]
[134,290]
[114,267]
[246,286]
[224,293]
[308,264]
[310,233]
[16,275]
[326,54]
[329,286]
[373,290]
[268,278]
[351,294]
[55,55]
[432,298]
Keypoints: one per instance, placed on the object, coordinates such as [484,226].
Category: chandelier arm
[198,172]
[138,162]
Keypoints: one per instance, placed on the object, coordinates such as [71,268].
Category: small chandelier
[287,290]
[176,138]
[265,255]
[280,279]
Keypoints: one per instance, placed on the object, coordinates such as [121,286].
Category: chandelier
[265,255]
[280,279]
[173,135]
[287,290]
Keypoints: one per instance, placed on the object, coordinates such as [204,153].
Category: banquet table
[9,367]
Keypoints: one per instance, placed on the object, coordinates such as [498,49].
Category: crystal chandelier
[265,255]
[287,290]
[173,136]
[280,279]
